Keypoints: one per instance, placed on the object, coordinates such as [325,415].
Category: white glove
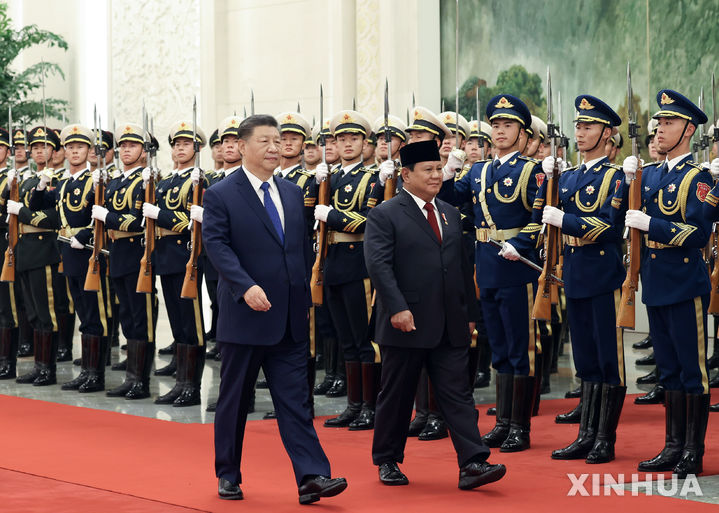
[552,215]
[455,161]
[99,213]
[45,179]
[630,165]
[13,207]
[146,175]
[76,244]
[196,212]
[11,175]
[195,177]
[321,172]
[637,219]
[508,252]
[321,212]
[386,171]
[548,167]
[96,177]
[150,210]
[713,168]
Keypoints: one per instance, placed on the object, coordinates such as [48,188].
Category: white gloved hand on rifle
[386,171]
[321,172]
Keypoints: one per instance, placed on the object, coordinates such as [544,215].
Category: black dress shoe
[417,425]
[120,366]
[64,354]
[168,349]
[324,386]
[576,393]
[571,417]
[492,411]
[646,360]
[654,396]
[338,389]
[649,379]
[434,430]
[714,382]
[312,489]
[475,474]
[482,380]
[77,361]
[270,415]
[211,406]
[391,475]
[644,343]
[228,491]
[262,383]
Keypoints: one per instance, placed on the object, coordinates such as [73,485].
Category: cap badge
[666,99]
[503,103]
[585,105]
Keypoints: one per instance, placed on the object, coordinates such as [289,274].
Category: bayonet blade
[298,107]
[456,75]
[354,103]
[413,102]
[387,134]
[714,112]
[252,102]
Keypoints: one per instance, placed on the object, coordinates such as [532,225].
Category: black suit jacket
[412,271]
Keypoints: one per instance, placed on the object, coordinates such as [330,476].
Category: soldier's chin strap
[599,139]
[686,125]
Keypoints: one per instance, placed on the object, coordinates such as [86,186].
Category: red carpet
[62,458]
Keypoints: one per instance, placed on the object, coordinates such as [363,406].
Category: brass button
[655,200]
[572,250]
[483,223]
[40,237]
[571,199]
[489,190]
[132,239]
[669,202]
[601,252]
[179,242]
[686,260]
[352,246]
[654,256]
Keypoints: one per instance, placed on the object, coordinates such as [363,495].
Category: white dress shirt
[231,170]
[508,156]
[671,163]
[256,183]
[421,203]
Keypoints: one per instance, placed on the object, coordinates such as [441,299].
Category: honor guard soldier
[122,215]
[216,147]
[591,251]
[503,192]
[613,146]
[25,345]
[172,251]
[294,129]
[479,141]
[73,198]
[389,160]
[368,154]
[37,262]
[8,310]
[311,152]
[347,287]
[675,281]
[58,161]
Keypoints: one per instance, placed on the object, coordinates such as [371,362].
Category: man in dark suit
[415,258]
[254,233]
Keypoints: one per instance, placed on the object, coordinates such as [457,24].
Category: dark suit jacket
[412,271]
[245,249]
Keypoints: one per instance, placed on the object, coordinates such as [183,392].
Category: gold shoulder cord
[682,196]
[121,205]
[601,197]
[483,197]
[357,197]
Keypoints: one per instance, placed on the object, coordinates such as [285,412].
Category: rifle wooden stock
[92,278]
[714,300]
[8,267]
[144,279]
[625,317]
[390,186]
[547,291]
[317,280]
[189,284]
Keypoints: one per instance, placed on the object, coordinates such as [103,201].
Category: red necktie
[432,219]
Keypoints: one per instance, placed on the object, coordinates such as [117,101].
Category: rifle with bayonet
[189,284]
[626,315]
[714,278]
[144,279]
[390,186]
[323,198]
[9,264]
[92,278]
[547,291]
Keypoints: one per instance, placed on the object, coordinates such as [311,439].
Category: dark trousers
[679,338]
[597,343]
[349,306]
[8,305]
[511,331]
[91,306]
[44,293]
[185,315]
[214,307]
[447,370]
[136,317]
[285,366]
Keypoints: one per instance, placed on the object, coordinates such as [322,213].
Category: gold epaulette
[529,159]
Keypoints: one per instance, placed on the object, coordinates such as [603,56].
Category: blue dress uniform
[593,275]
[173,196]
[43,288]
[503,193]
[123,199]
[347,288]
[8,311]
[73,197]
[675,289]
